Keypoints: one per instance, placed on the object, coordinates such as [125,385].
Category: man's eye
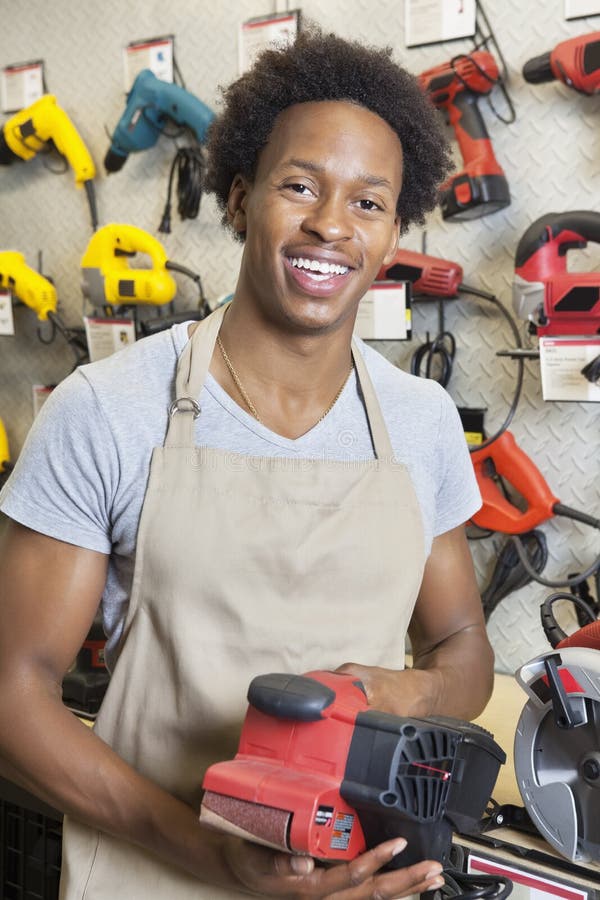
[368,204]
[298,188]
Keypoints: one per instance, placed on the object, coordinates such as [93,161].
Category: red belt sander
[318,772]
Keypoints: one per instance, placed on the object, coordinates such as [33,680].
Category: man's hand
[406,692]
[271,874]
[453,662]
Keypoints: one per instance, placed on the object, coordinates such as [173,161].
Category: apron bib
[244,566]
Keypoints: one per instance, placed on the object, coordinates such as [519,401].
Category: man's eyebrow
[311,166]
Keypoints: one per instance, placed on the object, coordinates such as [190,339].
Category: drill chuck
[539,69]
[6,154]
[114,161]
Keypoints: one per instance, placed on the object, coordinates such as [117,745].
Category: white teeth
[313,265]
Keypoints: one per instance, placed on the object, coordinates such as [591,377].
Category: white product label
[433,21]
[21,85]
[155,54]
[384,312]
[106,336]
[7,324]
[561,362]
[259,33]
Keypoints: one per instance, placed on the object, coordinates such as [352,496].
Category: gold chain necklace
[248,401]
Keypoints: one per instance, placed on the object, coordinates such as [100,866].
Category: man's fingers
[362,877]
[287,875]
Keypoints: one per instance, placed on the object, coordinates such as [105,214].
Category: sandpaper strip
[252,821]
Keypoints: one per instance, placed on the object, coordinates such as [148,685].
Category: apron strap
[379,432]
[192,370]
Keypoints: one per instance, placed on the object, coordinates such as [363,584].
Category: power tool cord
[473,885]
[177,267]
[509,574]
[442,349]
[550,626]
[567,582]
[188,163]
[491,298]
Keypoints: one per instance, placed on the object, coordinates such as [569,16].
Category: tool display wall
[550,155]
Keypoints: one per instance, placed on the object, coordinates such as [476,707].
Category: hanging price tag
[265,31]
[384,313]
[21,85]
[433,21]
[7,324]
[155,54]
[106,336]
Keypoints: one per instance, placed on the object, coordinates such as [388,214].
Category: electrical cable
[567,582]
[473,885]
[441,351]
[509,574]
[484,295]
[552,630]
[177,267]
[188,163]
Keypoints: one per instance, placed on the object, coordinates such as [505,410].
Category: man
[303,508]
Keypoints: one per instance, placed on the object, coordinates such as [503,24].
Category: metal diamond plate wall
[551,156]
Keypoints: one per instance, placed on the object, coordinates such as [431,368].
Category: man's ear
[393,242]
[236,204]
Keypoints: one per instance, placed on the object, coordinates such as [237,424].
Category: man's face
[320,215]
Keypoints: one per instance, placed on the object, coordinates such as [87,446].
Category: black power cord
[552,629]
[473,885]
[509,573]
[188,164]
[177,267]
[439,354]
[436,354]
[491,298]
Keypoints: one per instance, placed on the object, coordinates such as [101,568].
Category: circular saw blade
[570,758]
[558,768]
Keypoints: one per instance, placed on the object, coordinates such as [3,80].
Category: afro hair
[318,67]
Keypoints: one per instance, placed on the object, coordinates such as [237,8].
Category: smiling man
[256,493]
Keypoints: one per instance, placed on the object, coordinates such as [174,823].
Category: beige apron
[244,565]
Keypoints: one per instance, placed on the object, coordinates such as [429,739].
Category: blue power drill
[150,103]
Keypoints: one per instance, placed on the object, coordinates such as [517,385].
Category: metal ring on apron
[194,407]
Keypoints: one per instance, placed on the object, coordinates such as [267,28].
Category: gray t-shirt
[82,474]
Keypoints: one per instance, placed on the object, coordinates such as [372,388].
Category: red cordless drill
[480,188]
[575,62]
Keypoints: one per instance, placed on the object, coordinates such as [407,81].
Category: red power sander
[318,772]
[575,62]
[481,187]
[554,300]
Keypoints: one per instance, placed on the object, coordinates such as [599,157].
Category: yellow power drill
[39,294]
[109,280]
[29,130]
[5,463]
[27,285]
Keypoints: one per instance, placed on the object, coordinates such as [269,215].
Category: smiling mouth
[316,270]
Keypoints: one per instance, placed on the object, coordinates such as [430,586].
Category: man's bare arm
[453,662]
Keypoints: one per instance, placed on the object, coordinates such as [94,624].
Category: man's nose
[329,218]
